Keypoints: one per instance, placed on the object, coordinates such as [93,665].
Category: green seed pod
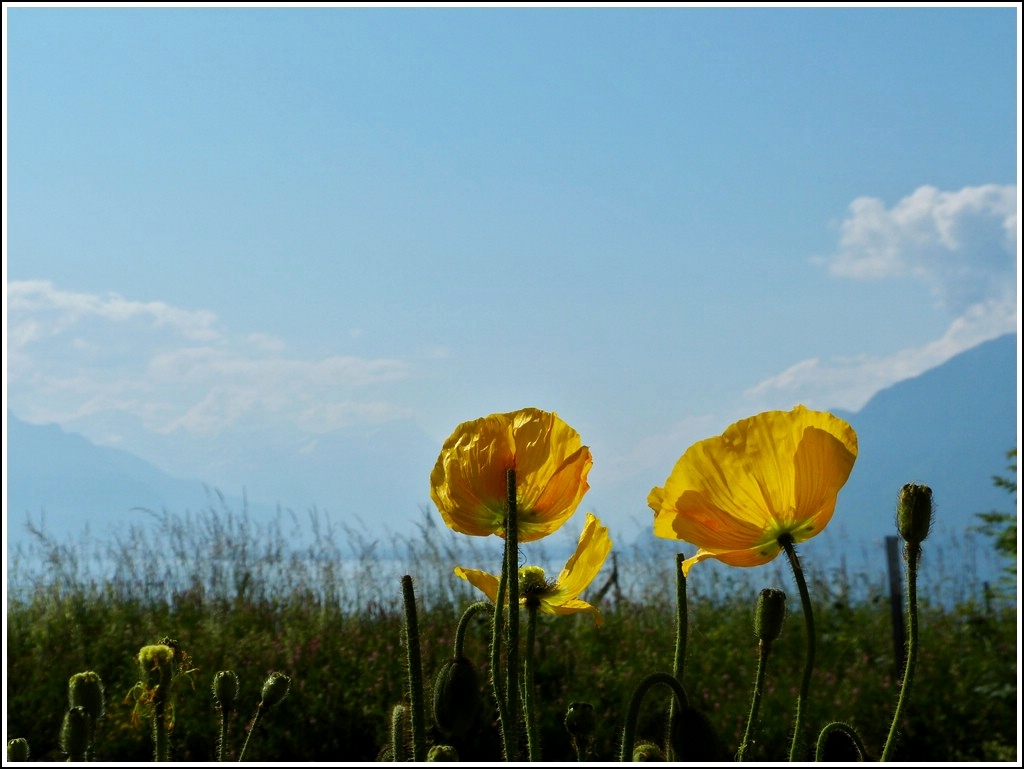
[442,753]
[86,690]
[17,750]
[914,512]
[74,734]
[647,751]
[456,696]
[275,689]
[771,611]
[225,690]
[580,720]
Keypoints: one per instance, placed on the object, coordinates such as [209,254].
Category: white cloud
[962,244]
[74,355]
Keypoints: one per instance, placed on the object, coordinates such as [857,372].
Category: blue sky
[266,226]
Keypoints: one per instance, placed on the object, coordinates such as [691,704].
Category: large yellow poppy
[562,595]
[468,483]
[773,474]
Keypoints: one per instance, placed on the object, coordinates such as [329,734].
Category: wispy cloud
[962,244]
[72,355]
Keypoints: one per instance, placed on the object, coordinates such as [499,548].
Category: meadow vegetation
[323,605]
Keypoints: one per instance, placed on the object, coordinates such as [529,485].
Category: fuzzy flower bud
[86,690]
[771,611]
[275,689]
[17,750]
[225,689]
[580,720]
[442,753]
[74,734]
[156,666]
[647,751]
[914,512]
[456,696]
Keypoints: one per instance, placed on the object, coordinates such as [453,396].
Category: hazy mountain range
[949,428]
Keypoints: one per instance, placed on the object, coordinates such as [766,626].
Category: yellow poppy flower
[562,595]
[468,483]
[770,475]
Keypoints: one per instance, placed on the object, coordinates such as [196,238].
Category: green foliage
[1002,526]
[338,638]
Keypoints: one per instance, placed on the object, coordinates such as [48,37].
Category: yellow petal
[583,566]
[481,580]
[571,607]
[774,473]
[469,481]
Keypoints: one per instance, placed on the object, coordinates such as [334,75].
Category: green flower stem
[755,700]
[412,637]
[398,733]
[497,628]
[533,746]
[786,541]
[636,700]
[682,621]
[458,652]
[252,729]
[913,554]
[161,746]
[512,652]
[223,741]
[679,660]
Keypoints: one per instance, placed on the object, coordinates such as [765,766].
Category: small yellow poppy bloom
[773,474]
[469,486]
[562,595]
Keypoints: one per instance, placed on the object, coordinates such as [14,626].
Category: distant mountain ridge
[949,427]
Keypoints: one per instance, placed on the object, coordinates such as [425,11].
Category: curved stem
[786,541]
[838,726]
[460,633]
[913,553]
[412,633]
[533,746]
[636,700]
[512,652]
[755,700]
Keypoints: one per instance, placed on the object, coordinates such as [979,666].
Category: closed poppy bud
[275,689]
[156,665]
[648,751]
[442,753]
[456,696]
[914,512]
[17,750]
[580,720]
[771,611]
[74,734]
[86,690]
[225,689]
